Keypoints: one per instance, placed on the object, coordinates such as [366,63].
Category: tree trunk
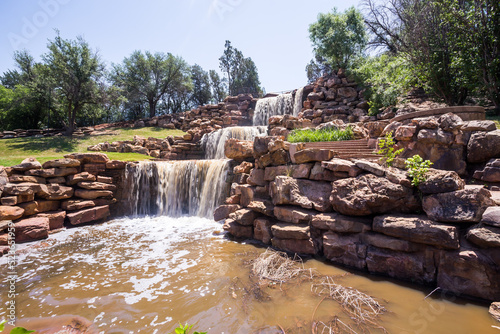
[152,109]
[70,127]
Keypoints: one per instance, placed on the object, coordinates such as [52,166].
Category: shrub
[417,168]
[309,135]
[386,146]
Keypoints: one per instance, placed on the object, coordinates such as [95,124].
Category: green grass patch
[15,150]
[495,118]
[309,135]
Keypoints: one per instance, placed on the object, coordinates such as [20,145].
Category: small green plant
[185,329]
[417,168]
[386,146]
[17,330]
[310,135]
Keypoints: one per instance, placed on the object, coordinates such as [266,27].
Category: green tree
[75,71]
[241,73]
[338,38]
[149,77]
[201,93]
[217,86]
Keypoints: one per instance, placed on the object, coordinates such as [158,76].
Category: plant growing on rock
[17,330]
[417,168]
[386,146]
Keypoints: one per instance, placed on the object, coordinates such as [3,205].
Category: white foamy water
[282,104]
[213,143]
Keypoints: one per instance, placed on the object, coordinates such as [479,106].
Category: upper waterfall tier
[271,106]
[177,188]
[213,143]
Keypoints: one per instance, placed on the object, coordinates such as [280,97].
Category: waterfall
[272,106]
[213,143]
[297,105]
[177,188]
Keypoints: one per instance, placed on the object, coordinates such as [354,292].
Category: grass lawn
[13,151]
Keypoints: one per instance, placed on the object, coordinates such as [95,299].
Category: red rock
[61,163]
[96,186]
[244,216]
[291,231]
[296,246]
[56,192]
[238,149]
[223,211]
[262,230]
[57,180]
[34,207]
[72,205]
[56,219]
[313,154]
[345,249]
[92,194]
[94,168]
[10,212]
[305,193]
[237,230]
[84,176]
[244,168]
[336,222]
[26,178]
[31,229]
[293,214]
[88,215]
[27,164]
[115,164]
[86,158]
[263,206]
[256,177]
[104,179]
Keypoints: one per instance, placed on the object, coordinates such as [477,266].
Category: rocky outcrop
[304,193]
[369,194]
[458,206]
[77,189]
[238,150]
[483,146]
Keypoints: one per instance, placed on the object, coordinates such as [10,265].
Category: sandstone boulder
[256,177]
[238,150]
[244,216]
[296,171]
[484,236]
[336,222]
[55,192]
[341,165]
[34,207]
[301,246]
[291,231]
[96,185]
[440,181]
[115,164]
[491,216]
[10,212]
[369,194]
[262,230]
[494,311]
[56,219]
[92,194]
[31,229]
[72,205]
[27,164]
[479,126]
[305,193]
[469,272]
[88,215]
[26,179]
[383,241]
[52,172]
[85,158]
[293,214]
[80,177]
[458,206]
[244,168]
[26,188]
[66,162]
[450,122]
[264,206]
[312,154]
[237,230]
[418,229]
[345,249]
[414,267]
[370,167]
[483,146]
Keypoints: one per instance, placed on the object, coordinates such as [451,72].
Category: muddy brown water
[145,275]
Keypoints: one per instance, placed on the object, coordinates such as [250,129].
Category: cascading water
[282,104]
[178,188]
[213,143]
[297,105]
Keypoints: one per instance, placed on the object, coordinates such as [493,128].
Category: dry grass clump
[359,306]
[277,266]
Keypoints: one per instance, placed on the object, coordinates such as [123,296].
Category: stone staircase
[347,149]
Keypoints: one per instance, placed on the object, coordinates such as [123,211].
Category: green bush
[417,168]
[386,146]
[385,78]
[185,329]
[310,135]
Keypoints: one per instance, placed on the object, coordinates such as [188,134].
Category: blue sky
[273,33]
